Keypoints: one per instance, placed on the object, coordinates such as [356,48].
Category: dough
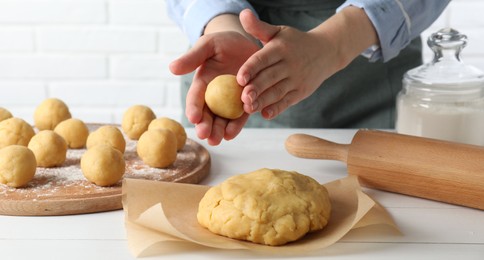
[157,148]
[49,113]
[136,120]
[17,165]
[4,114]
[15,131]
[49,148]
[103,165]
[107,134]
[223,97]
[172,125]
[267,206]
[74,132]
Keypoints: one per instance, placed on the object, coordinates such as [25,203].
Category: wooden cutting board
[64,190]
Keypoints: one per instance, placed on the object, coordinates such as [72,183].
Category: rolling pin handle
[311,147]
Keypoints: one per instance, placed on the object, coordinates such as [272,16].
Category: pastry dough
[17,165]
[157,148]
[49,113]
[267,206]
[49,148]
[103,165]
[136,120]
[107,134]
[4,114]
[15,131]
[223,97]
[74,132]
[172,125]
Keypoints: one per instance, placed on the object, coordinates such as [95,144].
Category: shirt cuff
[200,12]
[391,25]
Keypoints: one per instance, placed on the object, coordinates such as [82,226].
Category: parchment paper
[162,215]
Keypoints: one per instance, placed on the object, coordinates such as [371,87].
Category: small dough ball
[103,165]
[15,131]
[49,113]
[17,165]
[49,148]
[107,134]
[267,206]
[172,125]
[4,114]
[74,132]
[223,97]
[136,121]
[157,148]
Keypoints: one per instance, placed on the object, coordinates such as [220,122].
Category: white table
[431,230]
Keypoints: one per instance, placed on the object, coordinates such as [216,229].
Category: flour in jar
[463,124]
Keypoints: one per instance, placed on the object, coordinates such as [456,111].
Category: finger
[218,131]
[235,126]
[196,56]
[256,63]
[262,82]
[204,127]
[260,59]
[195,100]
[277,108]
[275,94]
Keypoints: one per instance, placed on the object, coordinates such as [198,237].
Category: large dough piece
[267,206]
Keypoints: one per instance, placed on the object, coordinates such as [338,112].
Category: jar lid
[446,70]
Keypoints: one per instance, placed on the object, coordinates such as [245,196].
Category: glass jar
[443,99]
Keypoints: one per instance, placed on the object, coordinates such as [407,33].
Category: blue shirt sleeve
[193,15]
[397,22]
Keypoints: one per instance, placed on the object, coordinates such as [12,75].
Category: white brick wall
[102,56]
[99,56]
[54,12]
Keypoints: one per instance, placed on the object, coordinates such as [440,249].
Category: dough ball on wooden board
[103,165]
[267,206]
[136,121]
[17,165]
[157,148]
[107,134]
[49,148]
[74,132]
[15,131]
[223,97]
[49,113]
[4,114]
[172,125]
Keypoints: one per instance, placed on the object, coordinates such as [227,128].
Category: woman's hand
[293,64]
[290,67]
[213,54]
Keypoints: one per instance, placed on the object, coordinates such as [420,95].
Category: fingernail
[246,79]
[269,113]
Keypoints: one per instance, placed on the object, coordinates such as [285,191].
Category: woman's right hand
[213,54]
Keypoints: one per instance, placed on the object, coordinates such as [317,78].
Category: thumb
[191,60]
[257,28]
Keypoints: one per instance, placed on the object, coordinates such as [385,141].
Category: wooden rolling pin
[416,166]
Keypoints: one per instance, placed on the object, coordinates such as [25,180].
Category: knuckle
[279,92]
[260,59]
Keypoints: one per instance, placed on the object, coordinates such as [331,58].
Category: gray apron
[360,96]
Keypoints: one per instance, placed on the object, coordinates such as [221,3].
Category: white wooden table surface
[431,230]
